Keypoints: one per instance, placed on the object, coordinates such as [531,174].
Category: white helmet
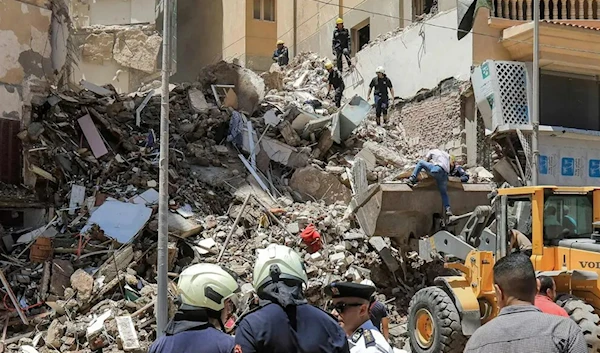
[207,286]
[277,261]
[367,282]
[380,69]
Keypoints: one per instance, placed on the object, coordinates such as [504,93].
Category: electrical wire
[456,29]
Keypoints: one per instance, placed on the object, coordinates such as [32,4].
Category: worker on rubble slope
[284,321]
[378,312]
[382,84]
[520,326]
[341,44]
[207,294]
[336,82]
[438,164]
[281,54]
[351,302]
[544,300]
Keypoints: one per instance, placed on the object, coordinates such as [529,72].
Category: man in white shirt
[437,165]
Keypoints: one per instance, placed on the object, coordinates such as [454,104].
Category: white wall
[415,60]
[121,12]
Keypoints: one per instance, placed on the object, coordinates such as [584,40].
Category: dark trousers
[339,91]
[381,106]
[338,56]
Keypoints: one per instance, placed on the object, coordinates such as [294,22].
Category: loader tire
[583,314]
[434,323]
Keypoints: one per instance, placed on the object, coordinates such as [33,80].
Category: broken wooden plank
[44,174]
[92,135]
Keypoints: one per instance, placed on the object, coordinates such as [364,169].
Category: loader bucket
[396,210]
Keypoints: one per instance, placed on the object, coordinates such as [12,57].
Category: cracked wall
[33,50]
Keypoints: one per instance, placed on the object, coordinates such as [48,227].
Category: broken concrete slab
[349,117]
[385,253]
[314,184]
[506,170]
[198,101]
[127,333]
[136,50]
[182,226]
[385,155]
[98,47]
[281,153]
[368,157]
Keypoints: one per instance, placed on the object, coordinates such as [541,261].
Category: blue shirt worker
[439,164]
[206,294]
[382,85]
[341,44]
[281,55]
[283,321]
[351,302]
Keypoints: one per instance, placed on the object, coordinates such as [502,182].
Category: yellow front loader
[563,224]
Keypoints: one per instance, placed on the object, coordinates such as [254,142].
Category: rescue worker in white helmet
[382,85]
[207,294]
[283,321]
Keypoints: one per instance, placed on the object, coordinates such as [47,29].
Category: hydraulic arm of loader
[475,246]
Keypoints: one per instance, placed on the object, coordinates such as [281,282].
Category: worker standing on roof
[284,321]
[382,84]
[281,55]
[336,82]
[351,303]
[341,44]
[206,294]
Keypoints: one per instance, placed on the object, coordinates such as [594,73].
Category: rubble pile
[246,168]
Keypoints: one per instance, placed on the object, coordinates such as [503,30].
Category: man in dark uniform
[336,82]
[284,321]
[206,292]
[351,302]
[281,55]
[341,44]
[382,84]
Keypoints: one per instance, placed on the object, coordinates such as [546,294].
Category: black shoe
[411,181]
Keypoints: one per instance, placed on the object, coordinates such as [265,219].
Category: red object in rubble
[311,238]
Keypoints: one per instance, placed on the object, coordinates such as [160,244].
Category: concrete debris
[94,283]
[137,50]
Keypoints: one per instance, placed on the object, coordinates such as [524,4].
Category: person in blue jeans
[439,164]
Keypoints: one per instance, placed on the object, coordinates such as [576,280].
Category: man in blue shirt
[206,297]
[284,321]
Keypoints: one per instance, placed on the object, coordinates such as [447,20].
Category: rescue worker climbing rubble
[336,82]
[351,303]
[284,321]
[439,164]
[281,55]
[207,294]
[382,85]
[341,44]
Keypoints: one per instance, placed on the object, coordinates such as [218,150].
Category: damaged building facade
[34,38]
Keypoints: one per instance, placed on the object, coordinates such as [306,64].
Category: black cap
[349,289]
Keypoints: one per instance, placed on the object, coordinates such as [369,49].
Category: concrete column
[470,110]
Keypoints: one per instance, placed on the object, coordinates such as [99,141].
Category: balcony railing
[549,9]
